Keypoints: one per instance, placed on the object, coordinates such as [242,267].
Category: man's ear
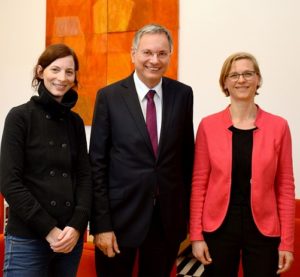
[132,54]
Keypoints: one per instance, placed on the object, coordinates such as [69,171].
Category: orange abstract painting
[101,32]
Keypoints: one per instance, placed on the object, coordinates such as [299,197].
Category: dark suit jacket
[125,171]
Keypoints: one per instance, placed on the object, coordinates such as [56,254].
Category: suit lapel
[167,110]
[131,99]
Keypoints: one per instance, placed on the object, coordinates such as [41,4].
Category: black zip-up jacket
[44,166]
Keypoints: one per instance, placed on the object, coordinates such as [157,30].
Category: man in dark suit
[141,152]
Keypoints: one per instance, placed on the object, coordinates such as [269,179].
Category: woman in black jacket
[45,173]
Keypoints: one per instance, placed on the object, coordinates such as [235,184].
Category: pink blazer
[272,181]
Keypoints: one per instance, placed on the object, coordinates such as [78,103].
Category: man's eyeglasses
[247,75]
[160,55]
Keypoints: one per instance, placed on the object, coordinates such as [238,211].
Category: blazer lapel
[134,107]
[167,110]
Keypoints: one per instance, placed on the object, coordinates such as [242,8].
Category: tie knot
[150,94]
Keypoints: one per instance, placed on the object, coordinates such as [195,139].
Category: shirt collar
[142,89]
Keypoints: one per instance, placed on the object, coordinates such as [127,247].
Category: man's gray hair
[152,29]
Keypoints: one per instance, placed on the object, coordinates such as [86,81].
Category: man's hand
[107,243]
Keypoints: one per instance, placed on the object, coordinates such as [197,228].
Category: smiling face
[59,76]
[242,89]
[151,58]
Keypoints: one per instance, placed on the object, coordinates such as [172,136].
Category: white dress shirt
[142,90]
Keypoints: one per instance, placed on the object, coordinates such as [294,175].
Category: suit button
[65,175]
[68,204]
[52,173]
[53,203]
[64,145]
[51,142]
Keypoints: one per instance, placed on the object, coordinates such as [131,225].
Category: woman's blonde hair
[227,66]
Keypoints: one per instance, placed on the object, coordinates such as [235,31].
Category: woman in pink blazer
[243,192]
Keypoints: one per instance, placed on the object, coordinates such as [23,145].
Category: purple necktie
[151,119]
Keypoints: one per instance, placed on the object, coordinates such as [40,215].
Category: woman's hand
[200,251]
[66,240]
[52,236]
[286,259]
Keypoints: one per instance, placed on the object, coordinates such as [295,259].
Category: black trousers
[238,238]
[156,257]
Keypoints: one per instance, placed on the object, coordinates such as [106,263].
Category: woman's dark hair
[50,54]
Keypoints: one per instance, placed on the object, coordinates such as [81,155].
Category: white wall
[22,33]
[269,29]
[209,32]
